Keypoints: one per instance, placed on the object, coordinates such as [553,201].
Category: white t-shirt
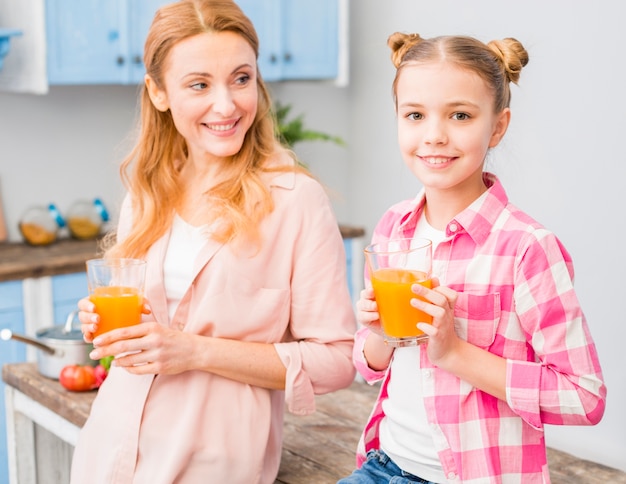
[404,431]
[184,246]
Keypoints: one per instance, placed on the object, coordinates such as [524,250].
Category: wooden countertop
[72,406]
[317,449]
[20,261]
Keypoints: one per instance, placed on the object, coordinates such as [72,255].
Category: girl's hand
[480,368]
[377,353]
[147,348]
[367,311]
[89,319]
[443,341]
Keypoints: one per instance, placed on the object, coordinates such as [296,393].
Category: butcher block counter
[318,448]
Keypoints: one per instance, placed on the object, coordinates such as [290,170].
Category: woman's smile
[221,128]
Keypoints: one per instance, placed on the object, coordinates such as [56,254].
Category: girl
[509,349]
[249,310]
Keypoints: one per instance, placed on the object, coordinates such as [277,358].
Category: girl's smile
[435,160]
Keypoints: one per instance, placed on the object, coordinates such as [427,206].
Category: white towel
[24,68]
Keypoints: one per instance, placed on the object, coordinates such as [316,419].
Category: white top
[404,432]
[185,243]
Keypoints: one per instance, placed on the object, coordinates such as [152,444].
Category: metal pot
[59,346]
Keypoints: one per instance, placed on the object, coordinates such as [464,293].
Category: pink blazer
[197,427]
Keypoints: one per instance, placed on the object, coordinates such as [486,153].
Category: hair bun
[400,43]
[512,54]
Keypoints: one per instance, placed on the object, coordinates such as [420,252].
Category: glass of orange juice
[116,288]
[394,266]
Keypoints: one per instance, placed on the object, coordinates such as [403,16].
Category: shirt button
[451,476]
[453,227]
[427,374]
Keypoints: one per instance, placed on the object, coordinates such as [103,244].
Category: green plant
[290,132]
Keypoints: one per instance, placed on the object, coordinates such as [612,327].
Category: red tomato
[78,378]
[101,373]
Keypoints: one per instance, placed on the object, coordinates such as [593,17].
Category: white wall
[62,147]
[67,145]
[562,160]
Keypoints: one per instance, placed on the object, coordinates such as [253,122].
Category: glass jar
[85,218]
[40,225]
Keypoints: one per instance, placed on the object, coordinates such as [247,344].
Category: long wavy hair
[151,171]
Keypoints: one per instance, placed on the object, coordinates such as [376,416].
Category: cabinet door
[140,16]
[97,41]
[85,41]
[264,14]
[11,317]
[298,38]
[310,43]
[67,290]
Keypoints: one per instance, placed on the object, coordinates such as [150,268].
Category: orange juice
[392,289]
[117,306]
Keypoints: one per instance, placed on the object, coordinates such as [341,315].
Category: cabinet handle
[287,57]
[120,60]
[273,59]
[137,59]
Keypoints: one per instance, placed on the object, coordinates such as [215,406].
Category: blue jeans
[380,469]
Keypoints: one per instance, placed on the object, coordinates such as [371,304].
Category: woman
[247,306]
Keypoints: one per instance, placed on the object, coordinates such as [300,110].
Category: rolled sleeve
[299,393]
[313,369]
[317,348]
[565,385]
[522,391]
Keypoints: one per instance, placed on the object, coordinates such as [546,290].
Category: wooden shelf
[65,256]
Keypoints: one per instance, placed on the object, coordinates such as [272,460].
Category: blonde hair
[151,170]
[498,62]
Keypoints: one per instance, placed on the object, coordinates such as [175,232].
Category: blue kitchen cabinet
[11,317]
[97,41]
[299,39]
[101,41]
[67,290]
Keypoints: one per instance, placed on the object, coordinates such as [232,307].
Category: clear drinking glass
[116,288]
[394,266]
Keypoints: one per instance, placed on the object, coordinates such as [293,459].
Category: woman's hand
[150,348]
[442,338]
[88,318]
[147,348]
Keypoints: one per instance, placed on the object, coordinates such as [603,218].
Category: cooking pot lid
[66,332]
[59,332]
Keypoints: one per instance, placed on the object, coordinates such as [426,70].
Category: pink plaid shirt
[517,300]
